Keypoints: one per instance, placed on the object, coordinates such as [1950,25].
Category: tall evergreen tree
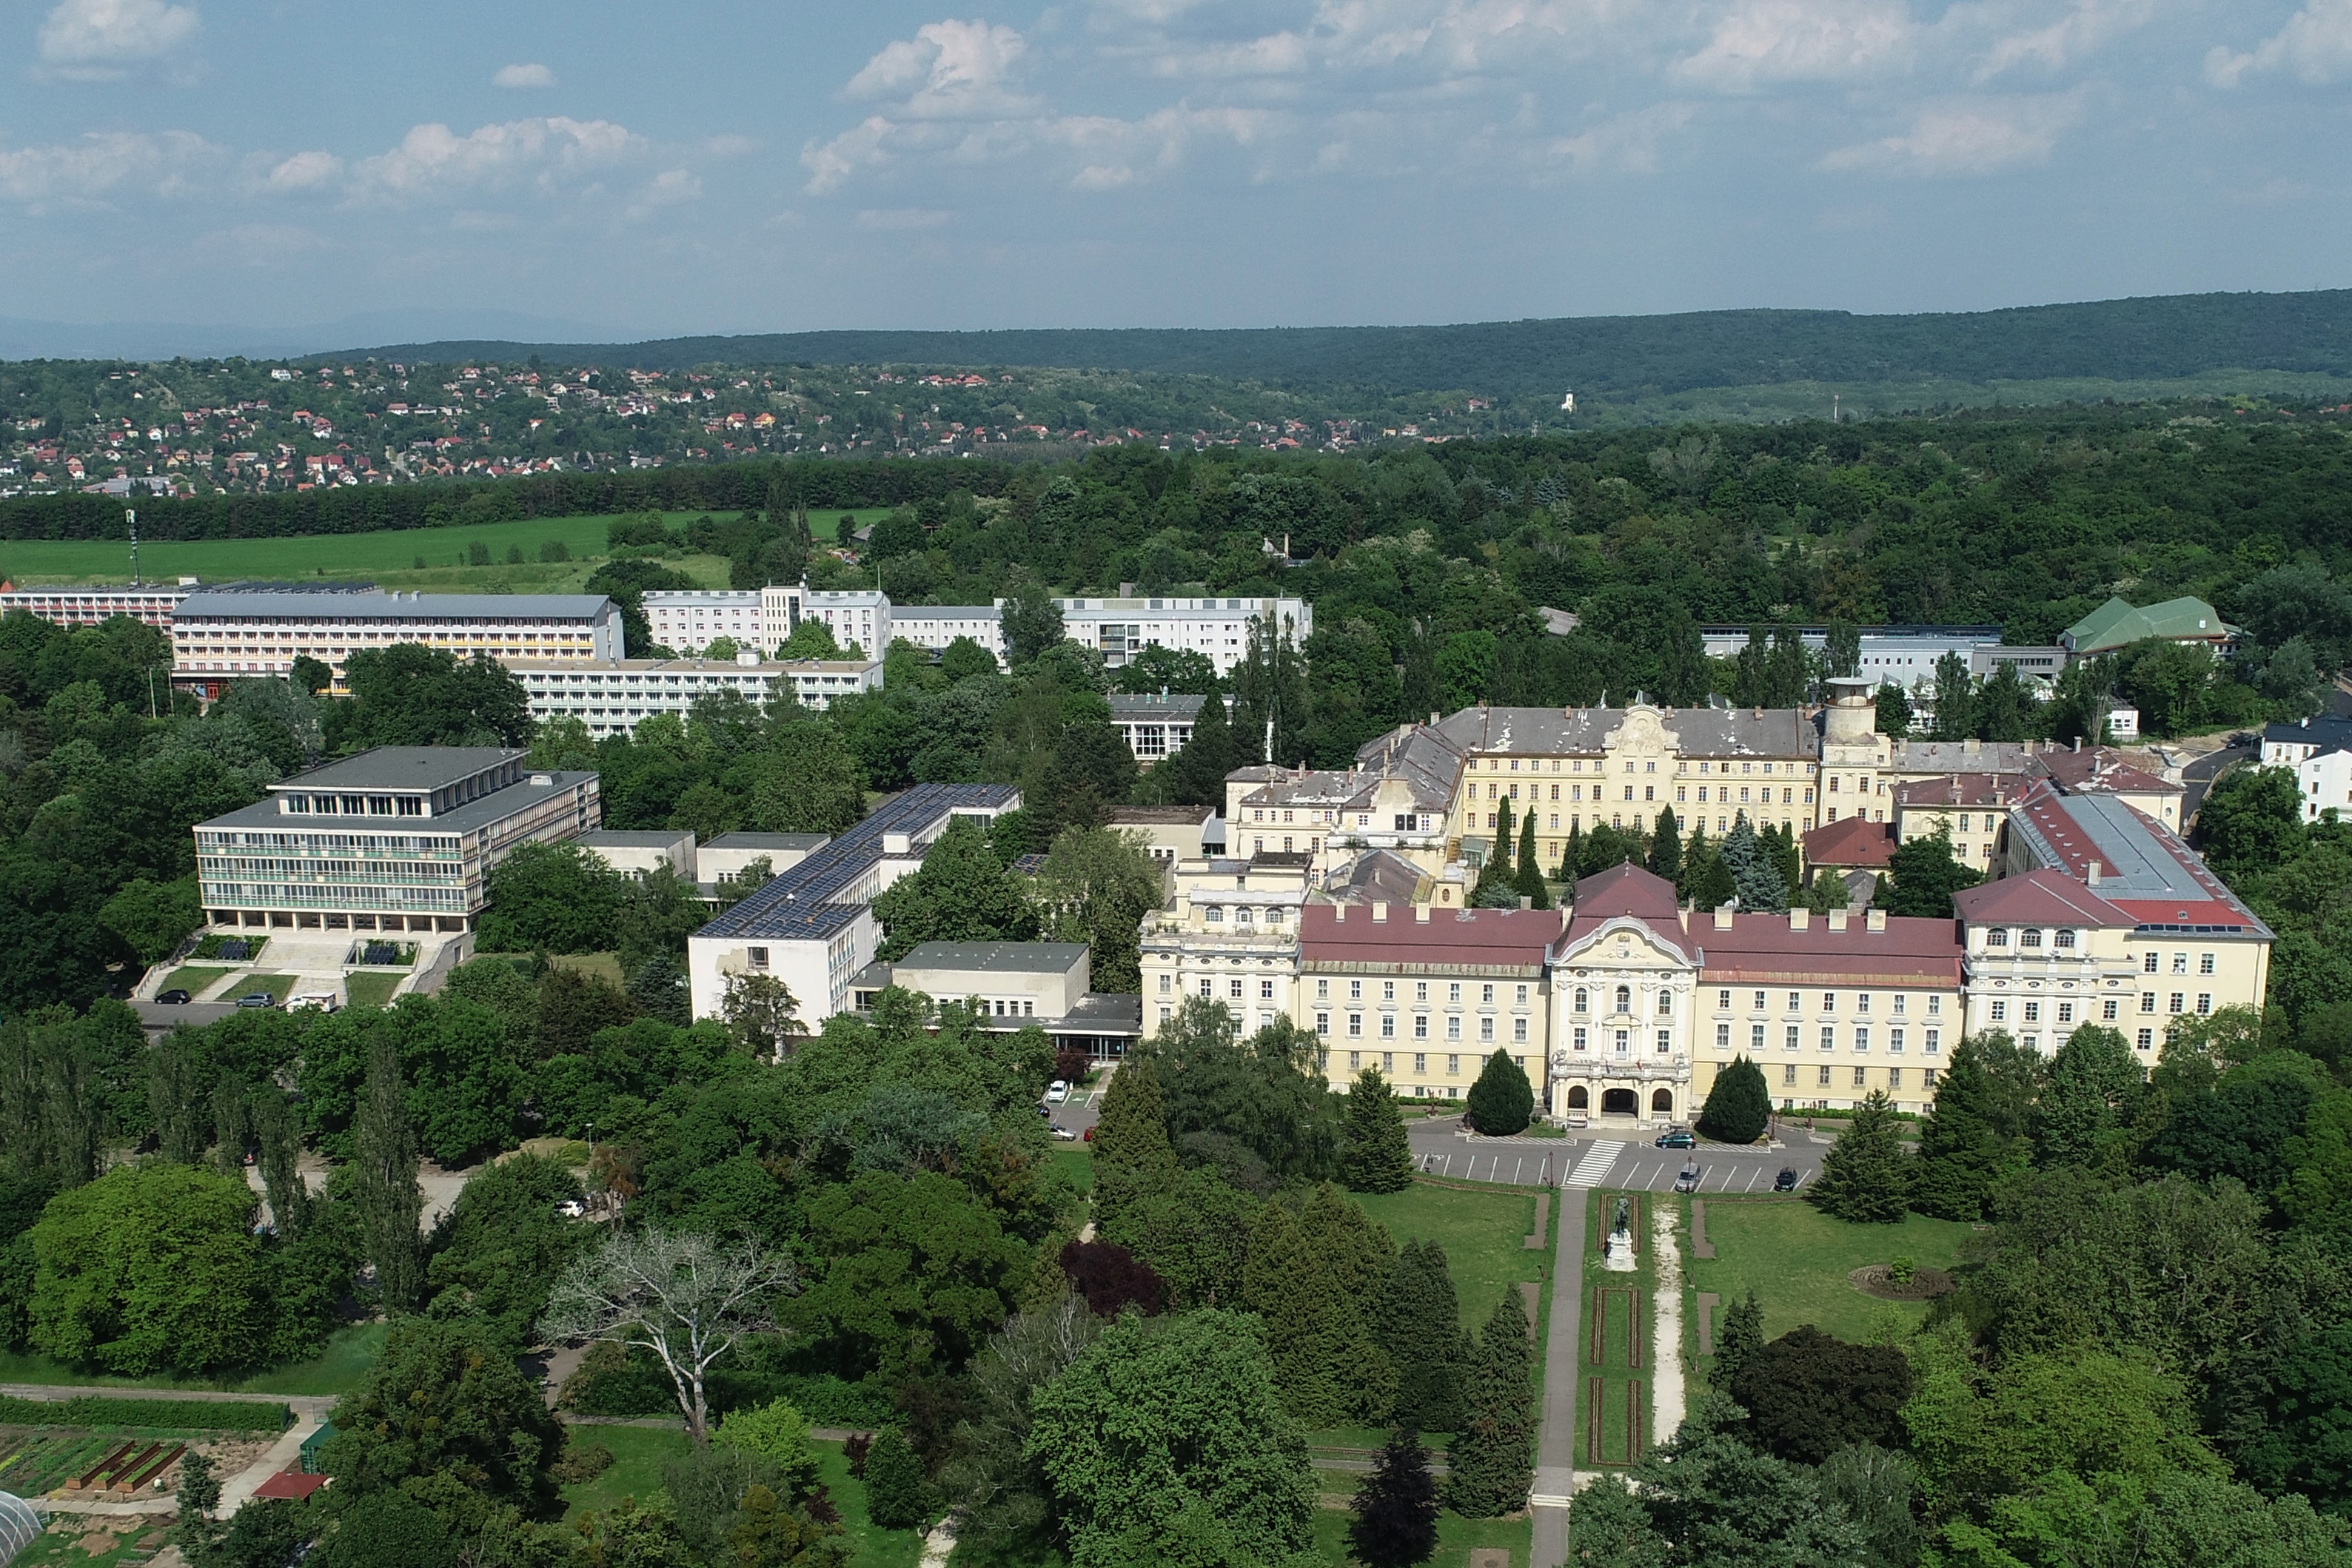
[1787,672]
[1572,856]
[1894,710]
[1955,703]
[1737,1341]
[1843,656]
[2090,1098]
[1395,1522]
[1420,1329]
[1715,885]
[1975,1135]
[1780,842]
[1697,856]
[1748,680]
[1132,1155]
[1314,1279]
[1682,673]
[1867,1175]
[1497,884]
[1270,688]
[1377,1157]
[1922,875]
[1667,846]
[1491,1461]
[1501,1104]
[383,1179]
[1530,877]
[2002,705]
[1757,882]
[1738,1106]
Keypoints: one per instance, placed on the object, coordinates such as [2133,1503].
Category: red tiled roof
[1341,934]
[2103,770]
[295,1484]
[1857,842]
[1763,947]
[1627,889]
[2038,899]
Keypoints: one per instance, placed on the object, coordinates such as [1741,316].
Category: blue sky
[687,167]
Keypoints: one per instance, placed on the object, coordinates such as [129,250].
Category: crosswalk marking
[1595,1165]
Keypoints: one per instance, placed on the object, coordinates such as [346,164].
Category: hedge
[89,1410]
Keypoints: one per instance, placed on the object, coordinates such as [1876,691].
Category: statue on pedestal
[1619,1257]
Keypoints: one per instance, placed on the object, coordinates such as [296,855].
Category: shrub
[895,1495]
[1738,1106]
[1501,1103]
[580,1464]
[1902,1270]
[181,1414]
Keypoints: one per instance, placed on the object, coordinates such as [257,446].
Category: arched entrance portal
[1663,1102]
[1577,1098]
[1618,1103]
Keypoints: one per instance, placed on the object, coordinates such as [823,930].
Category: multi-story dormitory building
[220,637]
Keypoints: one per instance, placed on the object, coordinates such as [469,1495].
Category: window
[2174,1002]
[1166,982]
[1388,1025]
[1583,1000]
[1322,991]
[1453,1026]
[759,957]
[1927,1077]
[1388,1061]
[1858,1076]
[2065,1012]
[1665,1042]
[1421,991]
[1723,1001]
[1233,989]
[2064,938]
[1322,1019]
[1486,1030]
[2034,1012]
[1935,1006]
[1576,1038]
[2205,964]
[1894,1042]
[1895,1078]
[1355,1024]
[1207,985]
[1453,1067]
[1755,1038]
[1265,990]
[1421,1025]
[2028,938]
[1216,915]
[1322,1027]
[1789,1075]
[1523,997]
[1454,992]
[2204,1001]
[1624,999]
[1486,994]
[1419,1062]
[1999,1011]
[1829,1001]
[1796,1001]
[2107,1010]
[1387,990]
[1862,1003]
[1829,1038]
[1935,1041]
[2179,964]
[2147,1001]
[1791,1042]
[1624,1041]
[1824,1079]
[2147,963]
[1899,1000]
[1355,1060]
[1860,1041]
[1665,1002]
[1355,990]
[1996,938]
[2146,1039]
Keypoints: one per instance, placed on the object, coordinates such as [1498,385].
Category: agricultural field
[430,559]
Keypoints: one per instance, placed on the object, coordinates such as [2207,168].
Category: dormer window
[2028,938]
[2064,938]
[1997,937]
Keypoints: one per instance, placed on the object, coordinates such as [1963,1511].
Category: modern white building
[95,606]
[219,637]
[396,838]
[1119,628]
[2290,745]
[612,697]
[759,619]
[814,927]
[935,626]
[1900,654]
[1016,985]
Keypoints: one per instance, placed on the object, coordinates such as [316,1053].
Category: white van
[313,1001]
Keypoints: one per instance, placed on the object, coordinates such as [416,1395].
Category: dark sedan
[174,997]
[1677,1139]
[1786,1182]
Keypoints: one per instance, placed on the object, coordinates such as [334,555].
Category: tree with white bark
[680,1297]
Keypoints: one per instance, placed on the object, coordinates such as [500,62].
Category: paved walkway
[1555,1446]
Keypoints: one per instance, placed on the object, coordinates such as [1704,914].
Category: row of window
[2110,1008]
[1486,992]
[1758,1000]
[1792,1038]
[1861,1077]
[1232,987]
[1576,765]
[1387,1030]
[356,804]
[1243,914]
[1420,1063]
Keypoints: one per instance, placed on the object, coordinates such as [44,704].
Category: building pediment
[1643,730]
[1624,940]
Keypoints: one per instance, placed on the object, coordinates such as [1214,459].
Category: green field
[335,1370]
[1456,1538]
[1797,1259]
[194,977]
[391,557]
[1076,1163]
[369,988]
[640,1452]
[1484,1234]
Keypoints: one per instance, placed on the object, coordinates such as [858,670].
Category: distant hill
[1621,357]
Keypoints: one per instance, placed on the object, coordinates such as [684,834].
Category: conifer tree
[1132,1152]
[1491,1461]
[1737,1341]
[1738,1105]
[895,1495]
[1395,1522]
[1328,1370]
[1867,1175]
[1974,1136]
[1530,877]
[383,1179]
[1501,1104]
[1377,1157]
[1667,846]
[1780,846]
[1497,884]
[1697,856]
[1420,1329]
[1572,856]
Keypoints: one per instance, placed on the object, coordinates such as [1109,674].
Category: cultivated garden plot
[1616,1357]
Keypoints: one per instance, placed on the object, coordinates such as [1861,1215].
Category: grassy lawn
[1076,1163]
[192,978]
[369,988]
[1483,1234]
[1797,1259]
[877,1547]
[1455,1538]
[1613,1389]
[349,1353]
[606,965]
[87,1543]
[640,1452]
[278,986]
[390,557]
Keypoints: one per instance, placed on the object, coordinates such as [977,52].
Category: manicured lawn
[606,965]
[369,988]
[639,1455]
[1797,1259]
[278,986]
[1615,1356]
[192,978]
[388,557]
[1455,1538]
[1483,1234]
[1076,1164]
[349,1353]
[877,1547]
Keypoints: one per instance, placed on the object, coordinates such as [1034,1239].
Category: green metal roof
[2117,623]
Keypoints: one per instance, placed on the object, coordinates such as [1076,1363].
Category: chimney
[1526,902]
[1874,918]
[2078,742]
[1339,914]
[1723,913]
[2091,874]
[1380,911]
[1799,918]
[1433,718]
[1421,914]
[1971,746]
[1837,920]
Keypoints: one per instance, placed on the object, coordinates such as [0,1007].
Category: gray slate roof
[403,767]
[1574,731]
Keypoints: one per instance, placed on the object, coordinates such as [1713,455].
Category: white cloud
[305,171]
[528,74]
[96,40]
[900,220]
[830,165]
[1761,42]
[2087,26]
[1965,137]
[432,159]
[949,70]
[174,164]
[2314,46]
[1626,145]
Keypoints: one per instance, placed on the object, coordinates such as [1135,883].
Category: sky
[685,167]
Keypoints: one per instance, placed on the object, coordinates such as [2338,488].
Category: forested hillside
[1617,356]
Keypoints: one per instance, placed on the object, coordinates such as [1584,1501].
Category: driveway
[2197,776]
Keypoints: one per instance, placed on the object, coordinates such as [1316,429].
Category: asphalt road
[2197,776]
[1601,1157]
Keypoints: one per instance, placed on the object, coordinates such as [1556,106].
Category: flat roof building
[396,838]
[1016,985]
[1216,628]
[219,637]
[94,606]
[612,697]
[1154,724]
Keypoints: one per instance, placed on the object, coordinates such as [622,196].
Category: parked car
[1063,1134]
[572,1208]
[1056,1092]
[1688,1181]
[257,999]
[313,1001]
[174,997]
[1677,1139]
[1786,1182]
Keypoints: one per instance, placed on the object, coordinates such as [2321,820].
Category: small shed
[315,1444]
